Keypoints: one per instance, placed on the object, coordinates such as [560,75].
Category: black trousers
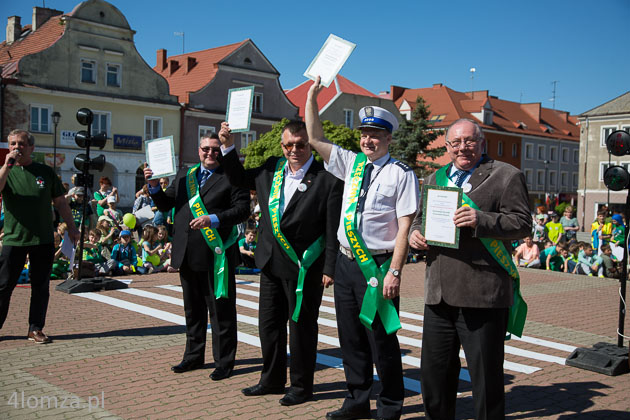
[277,303]
[481,332]
[12,262]
[361,348]
[198,288]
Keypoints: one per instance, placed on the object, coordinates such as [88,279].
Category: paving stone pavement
[112,353]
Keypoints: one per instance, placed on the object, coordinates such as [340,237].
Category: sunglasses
[208,149]
[298,146]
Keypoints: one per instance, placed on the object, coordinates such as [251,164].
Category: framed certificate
[438,209]
[239,108]
[329,60]
[160,156]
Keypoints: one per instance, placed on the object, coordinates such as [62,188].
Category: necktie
[459,177]
[364,187]
[203,178]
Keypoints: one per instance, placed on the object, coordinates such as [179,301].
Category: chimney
[14,29]
[190,63]
[161,59]
[173,66]
[41,15]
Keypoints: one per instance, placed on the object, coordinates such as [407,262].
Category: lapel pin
[302,187]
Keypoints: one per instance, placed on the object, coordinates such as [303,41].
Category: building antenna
[553,93]
[182,34]
[472,82]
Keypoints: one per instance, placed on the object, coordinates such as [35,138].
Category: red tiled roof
[203,69]
[298,94]
[507,115]
[42,38]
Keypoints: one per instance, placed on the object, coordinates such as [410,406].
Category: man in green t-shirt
[28,189]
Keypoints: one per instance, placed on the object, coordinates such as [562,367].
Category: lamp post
[55,118]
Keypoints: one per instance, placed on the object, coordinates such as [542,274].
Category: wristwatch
[395,272]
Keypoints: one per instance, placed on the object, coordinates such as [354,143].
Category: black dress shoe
[348,414]
[259,389]
[220,373]
[186,365]
[295,399]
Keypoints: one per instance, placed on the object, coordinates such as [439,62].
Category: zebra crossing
[524,355]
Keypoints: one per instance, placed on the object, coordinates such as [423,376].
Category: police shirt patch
[403,166]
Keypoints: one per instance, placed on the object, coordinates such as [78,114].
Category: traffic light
[617,178]
[84,139]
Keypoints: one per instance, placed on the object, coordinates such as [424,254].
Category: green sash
[312,252]
[373,301]
[518,310]
[211,236]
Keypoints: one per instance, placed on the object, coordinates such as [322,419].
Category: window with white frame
[540,179]
[626,128]
[565,155]
[529,151]
[553,153]
[348,118]
[88,71]
[564,180]
[529,175]
[500,148]
[40,118]
[541,152]
[514,150]
[552,179]
[101,123]
[602,168]
[606,130]
[152,128]
[114,74]
[575,181]
[206,129]
[576,156]
[246,138]
[257,106]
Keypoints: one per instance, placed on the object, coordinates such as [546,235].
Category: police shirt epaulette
[405,167]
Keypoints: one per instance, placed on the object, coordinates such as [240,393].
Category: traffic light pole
[624,278]
[86,199]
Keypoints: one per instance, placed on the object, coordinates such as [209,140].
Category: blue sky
[518,47]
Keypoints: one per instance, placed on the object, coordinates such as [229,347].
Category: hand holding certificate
[438,209]
[239,109]
[160,156]
[329,60]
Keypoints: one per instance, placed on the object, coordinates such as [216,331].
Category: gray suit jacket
[469,276]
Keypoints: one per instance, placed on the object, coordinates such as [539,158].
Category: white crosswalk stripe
[408,336]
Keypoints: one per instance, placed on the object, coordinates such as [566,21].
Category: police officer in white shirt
[386,195]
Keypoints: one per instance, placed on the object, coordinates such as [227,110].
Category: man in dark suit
[467,292]
[306,207]
[195,250]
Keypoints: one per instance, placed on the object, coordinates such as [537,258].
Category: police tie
[459,177]
[205,174]
[364,187]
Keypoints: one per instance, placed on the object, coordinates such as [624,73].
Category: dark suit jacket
[469,276]
[306,216]
[231,205]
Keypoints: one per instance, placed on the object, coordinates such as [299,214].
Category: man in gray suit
[468,293]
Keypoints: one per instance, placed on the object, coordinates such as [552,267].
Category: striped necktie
[459,177]
[205,174]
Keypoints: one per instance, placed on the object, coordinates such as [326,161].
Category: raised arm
[313,124]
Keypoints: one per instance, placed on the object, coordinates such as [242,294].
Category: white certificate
[160,156]
[239,108]
[438,209]
[330,59]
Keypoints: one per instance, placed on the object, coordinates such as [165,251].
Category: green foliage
[268,145]
[560,208]
[413,139]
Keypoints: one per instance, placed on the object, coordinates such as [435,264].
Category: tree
[257,152]
[412,140]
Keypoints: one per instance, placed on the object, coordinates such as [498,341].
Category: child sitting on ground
[247,246]
[92,253]
[574,250]
[588,263]
[124,255]
[165,252]
[610,268]
[555,260]
[151,249]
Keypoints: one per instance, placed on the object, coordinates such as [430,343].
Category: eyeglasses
[298,146]
[456,145]
[208,149]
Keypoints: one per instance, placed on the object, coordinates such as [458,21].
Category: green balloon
[129,220]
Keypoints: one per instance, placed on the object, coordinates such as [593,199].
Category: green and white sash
[211,236]
[373,301]
[312,252]
[518,310]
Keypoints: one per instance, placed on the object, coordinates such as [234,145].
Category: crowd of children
[553,245]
